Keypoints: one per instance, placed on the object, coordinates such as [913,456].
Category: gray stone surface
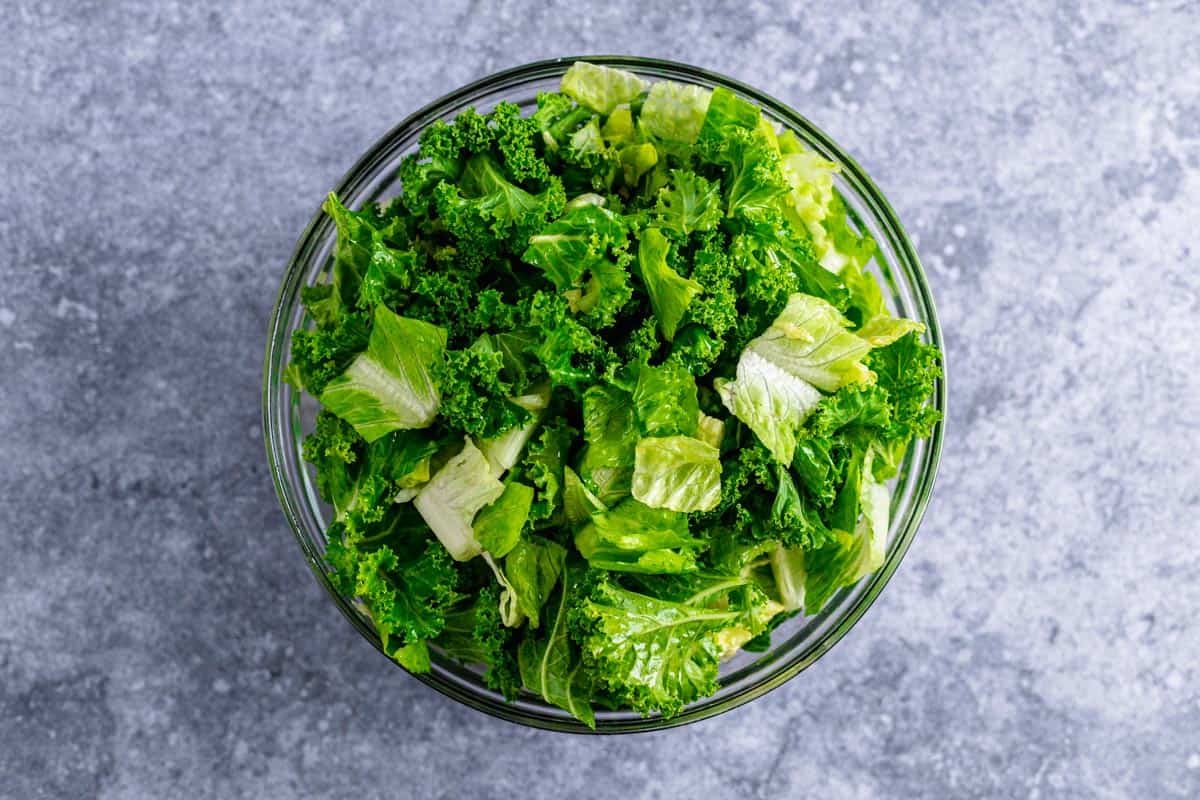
[160,635]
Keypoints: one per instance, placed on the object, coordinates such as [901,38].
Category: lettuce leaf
[665,401]
[809,341]
[677,472]
[770,401]
[579,503]
[600,88]
[389,386]
[452,498]
[710,430]
[632,537]
[675,111]
[498,526]
[533,568]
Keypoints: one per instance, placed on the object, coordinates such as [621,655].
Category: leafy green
[533,568]
[771,402]
[498,526]
[504,451]
[600,88]
[337,451]
[632,537]
[809,341]
[319,356]
[907,370]
[691,203]
[677,472]
[475,634]
[611,434]
[653,655]
[665,401]
[551,665]
[569,246]
[407,599]
[585,255]
[542,466]
[452,498]
[849,556]
[579,502]
[390,386]
[476,398]
[674,111]
[669,292]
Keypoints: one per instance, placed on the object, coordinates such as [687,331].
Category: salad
[606,393]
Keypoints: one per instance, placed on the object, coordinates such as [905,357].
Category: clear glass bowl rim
[783,665]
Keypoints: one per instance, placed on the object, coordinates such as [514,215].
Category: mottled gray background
[160,634]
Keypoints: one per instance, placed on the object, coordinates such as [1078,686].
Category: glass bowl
[288,415]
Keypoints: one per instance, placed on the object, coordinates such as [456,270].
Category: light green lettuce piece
[618,128]
[677,472]
[726,111]
[414,657]
[505,450]
[771,402]
[510,607]
[787,566]
[882,330]
[810,176]
[809,341]
[873,525]
[636,160]
[388,386]
[675,111]
[599,88]
[588,139]
[710,430]
[579,504]
[452,498]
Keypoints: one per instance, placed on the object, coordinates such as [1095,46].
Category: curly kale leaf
[475,396]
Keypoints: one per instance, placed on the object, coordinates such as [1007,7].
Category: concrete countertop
[160,634]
